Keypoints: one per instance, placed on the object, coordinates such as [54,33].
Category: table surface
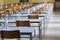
[18,14]
[21,29]
[14,20]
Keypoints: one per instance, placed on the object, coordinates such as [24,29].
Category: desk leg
[40,31]
[30,36]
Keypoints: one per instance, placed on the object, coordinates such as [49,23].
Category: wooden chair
[2,13]
[27,5]
[9,10]
[33,17]
[37,12]
[15,7]
[32,4]
[10,34]
[24,6]
[22,23]
[19,7]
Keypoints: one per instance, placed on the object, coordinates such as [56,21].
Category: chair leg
[2,39]
[18,39]
[31,37]
[34,34]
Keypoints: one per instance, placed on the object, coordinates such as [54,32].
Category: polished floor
[53,28]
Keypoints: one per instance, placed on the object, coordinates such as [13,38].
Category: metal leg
[40,33]
[34,34]
[0,24]
[30,36]
[18,39]
[2,39]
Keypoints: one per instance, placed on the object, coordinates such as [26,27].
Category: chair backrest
[37,12]
[19,7]
[22,23]
[8,10]
[15,8]
[33,17]
[10,34]
[2,11]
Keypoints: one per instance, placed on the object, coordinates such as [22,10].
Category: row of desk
[21,16]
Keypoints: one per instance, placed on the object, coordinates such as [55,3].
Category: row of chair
[27,12]
[10,9]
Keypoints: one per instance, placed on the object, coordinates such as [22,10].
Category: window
[23,0]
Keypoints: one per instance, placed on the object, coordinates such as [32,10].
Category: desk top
[26,15]
[21,29]
[14,20]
